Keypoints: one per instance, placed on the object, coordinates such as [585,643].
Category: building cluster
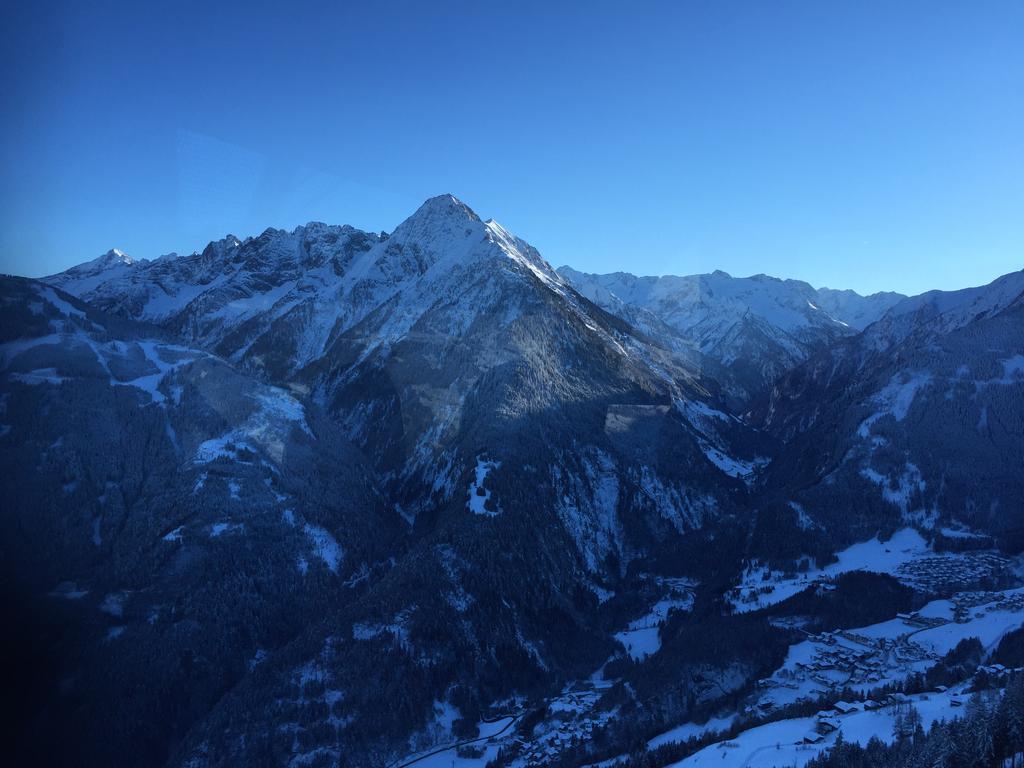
[869,658]
[844,658]
[574,722]
[974,605]
[997,673]
[939,574]
[942,574]
[541,750]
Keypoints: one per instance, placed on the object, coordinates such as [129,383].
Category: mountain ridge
[758,327]
[495,482]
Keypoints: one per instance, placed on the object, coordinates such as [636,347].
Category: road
[466,742]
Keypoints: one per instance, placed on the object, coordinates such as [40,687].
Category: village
[942,574]
[574,718]
[834,661]
[853,665]
[871,657]
[965,602]
[907,556]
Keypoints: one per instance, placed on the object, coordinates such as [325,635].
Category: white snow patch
[60,304]
[69,590]
[445,715]
[227,446]
[907,484]
[478,494]
[603,595]
[742,469]
[39,376]
[896,398]
[642,639]
[755,591]
[1013,369]
[369,631]
[278,403]
[687,731]
[325,546]
[778,743]
[802,518]
[641,642]
[588,506]
[113,604]
[219,529]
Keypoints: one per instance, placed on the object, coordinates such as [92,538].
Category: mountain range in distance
[326,496]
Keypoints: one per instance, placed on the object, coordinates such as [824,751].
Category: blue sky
[870,145]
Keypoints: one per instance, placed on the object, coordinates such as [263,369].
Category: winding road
[514,719]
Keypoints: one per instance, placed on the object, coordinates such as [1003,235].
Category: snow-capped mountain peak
[116,254]
[788,305]
[759,326]
[443,235]
[86,276]
[115,257]
[438,219]
[444,206]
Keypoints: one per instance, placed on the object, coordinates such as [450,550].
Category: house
[870,704]
[827,725]
[812,737]
[846,707]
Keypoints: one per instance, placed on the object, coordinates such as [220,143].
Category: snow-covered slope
[919,415]
[758,327]
[321,305]
[855,310]
[691,302]
[945,311]
[319,280]
[84,278]
[207,296]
